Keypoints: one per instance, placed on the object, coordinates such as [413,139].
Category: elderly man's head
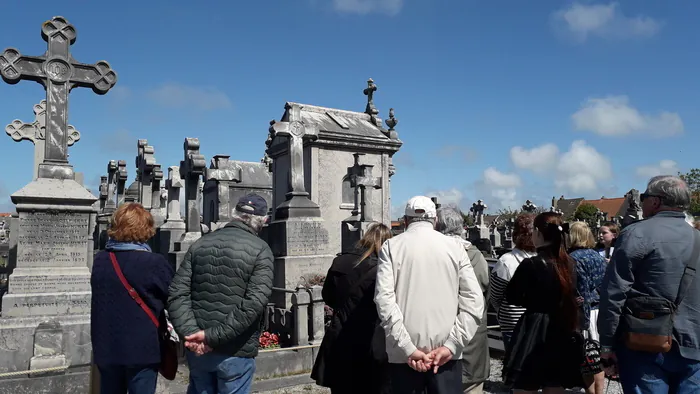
[450,221]
[251,209]
[665,193]
[420,209]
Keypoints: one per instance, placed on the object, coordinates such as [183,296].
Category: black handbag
[647,321]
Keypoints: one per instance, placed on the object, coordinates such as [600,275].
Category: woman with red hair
[546,348]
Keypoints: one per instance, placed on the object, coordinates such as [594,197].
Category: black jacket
[222,287]
[346,358]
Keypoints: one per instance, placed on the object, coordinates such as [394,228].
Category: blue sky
[498,100]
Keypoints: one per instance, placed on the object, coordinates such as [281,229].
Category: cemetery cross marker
[111,203]
[35,132]
[58,72]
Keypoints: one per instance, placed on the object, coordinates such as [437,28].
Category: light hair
[131,222]
[374,238]
[416,219]
[580,236]
[450,221]
[255,222]
[672,190]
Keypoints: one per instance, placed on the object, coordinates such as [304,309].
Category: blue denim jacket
[649,259]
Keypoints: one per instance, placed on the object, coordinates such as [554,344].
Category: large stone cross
[35,132]
[297,132]
[58,72]
[173,185]
[360,178]
[478,211]
[191,170]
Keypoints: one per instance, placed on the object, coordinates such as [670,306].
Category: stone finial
[392,121]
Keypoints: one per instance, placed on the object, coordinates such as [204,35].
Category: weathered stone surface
[299,237]
[291,271]
[46,304]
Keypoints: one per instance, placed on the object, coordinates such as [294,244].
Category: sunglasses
[644,196]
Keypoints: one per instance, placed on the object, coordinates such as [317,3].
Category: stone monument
[46,313]
[354,227]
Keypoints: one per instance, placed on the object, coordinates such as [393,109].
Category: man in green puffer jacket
[217,299]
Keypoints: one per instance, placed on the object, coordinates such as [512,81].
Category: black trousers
[405,380]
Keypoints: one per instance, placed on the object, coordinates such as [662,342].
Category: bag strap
[690,269]
[132,292]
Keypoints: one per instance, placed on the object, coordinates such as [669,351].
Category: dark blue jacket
[122,333]
[649,259]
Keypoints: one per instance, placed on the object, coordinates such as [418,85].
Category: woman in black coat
[348,360]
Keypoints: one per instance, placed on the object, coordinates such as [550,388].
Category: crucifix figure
[58,72]
[296,132]
[35,132]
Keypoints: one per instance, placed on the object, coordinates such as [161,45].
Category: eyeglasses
[644,196]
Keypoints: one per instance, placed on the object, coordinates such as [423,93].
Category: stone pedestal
[351,232]
[301,251]
[46,313]
[181,247]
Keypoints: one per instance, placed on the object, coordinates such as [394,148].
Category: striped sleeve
[508,315]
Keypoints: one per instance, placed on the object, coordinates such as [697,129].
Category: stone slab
[76,381]
[17,341]
[52,239]
[299,237]
[46,304]
[51,280]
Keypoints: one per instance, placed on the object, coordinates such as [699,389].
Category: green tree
[692,178]
[507,213]
[587,213]
[468,219]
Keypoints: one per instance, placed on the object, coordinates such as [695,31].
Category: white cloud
[664,167]
[613,116]
[175,95]
[581,21]
[582,169]
[499,189]
[364,7]
[541,159]
[451,197]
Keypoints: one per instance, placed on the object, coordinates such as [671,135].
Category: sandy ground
[492,386]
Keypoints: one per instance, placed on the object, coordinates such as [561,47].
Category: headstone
[174,227]
[122,176]
[112,184]
[191,170]
[298,237]
[145,164]
[51,281]
[158,210]
[35,132]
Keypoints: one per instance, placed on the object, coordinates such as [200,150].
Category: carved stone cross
[173,185]
[156,178]
[191,170]
[529,207]
[297,132]
[360,178]
[58,72]
[369,92]
[36,132]
[111,203]
[478,211]
[145,163]
[122,176]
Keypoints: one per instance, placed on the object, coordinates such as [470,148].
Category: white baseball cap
[421,206]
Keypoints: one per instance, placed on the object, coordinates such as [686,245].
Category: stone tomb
[51,280]
[326,159]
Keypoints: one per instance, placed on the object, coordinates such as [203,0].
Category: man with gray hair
[429,303]
[217,299]
[649,319]
[475,362]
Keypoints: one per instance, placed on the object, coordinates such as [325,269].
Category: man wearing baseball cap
[429,303]
[217,299]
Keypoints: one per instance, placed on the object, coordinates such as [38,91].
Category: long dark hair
[550,225]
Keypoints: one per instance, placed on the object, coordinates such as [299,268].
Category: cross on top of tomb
[58,72]
[369,92]
[478,211]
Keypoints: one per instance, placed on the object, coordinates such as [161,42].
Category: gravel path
[493,385]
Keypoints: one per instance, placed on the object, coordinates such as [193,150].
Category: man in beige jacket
[429,302]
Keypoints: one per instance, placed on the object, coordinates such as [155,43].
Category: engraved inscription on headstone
[304,238]
[52,239]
